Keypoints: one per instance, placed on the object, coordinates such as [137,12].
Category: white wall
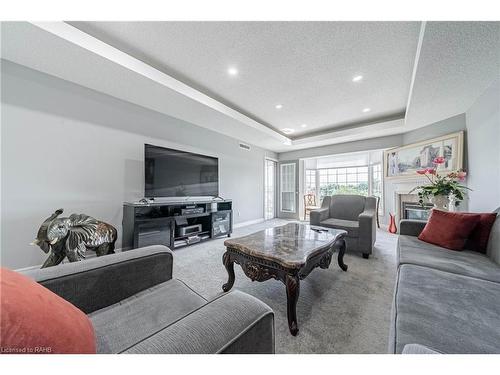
[483,135]
[65,146]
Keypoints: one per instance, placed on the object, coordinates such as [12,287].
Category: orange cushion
[449,229]
[35,320]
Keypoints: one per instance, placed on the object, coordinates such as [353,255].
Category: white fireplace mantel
[402,193]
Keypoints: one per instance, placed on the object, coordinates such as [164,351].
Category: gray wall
[447,126]
[451,125]
[341,148]
[483,134]
[67,146]
[481,124]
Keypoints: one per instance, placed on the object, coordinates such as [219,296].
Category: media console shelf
[175,224]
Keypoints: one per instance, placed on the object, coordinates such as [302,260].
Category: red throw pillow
[448,229]
[478,239]
[35,320]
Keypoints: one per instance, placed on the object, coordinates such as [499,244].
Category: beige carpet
[338,312]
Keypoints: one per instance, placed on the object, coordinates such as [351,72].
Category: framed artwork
[405,161]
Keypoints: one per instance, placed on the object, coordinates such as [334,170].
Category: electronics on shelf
[175,223]
[181,204]
[193,239]
[192,210]
[189,229]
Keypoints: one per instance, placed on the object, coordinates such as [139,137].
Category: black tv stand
[160,223]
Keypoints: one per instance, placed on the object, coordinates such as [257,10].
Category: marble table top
[289,245]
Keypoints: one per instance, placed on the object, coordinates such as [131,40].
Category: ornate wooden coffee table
[287,253]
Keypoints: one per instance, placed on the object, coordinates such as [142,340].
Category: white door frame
[275,213]
[289,214]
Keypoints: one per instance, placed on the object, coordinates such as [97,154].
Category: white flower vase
[441,202]
[451,205]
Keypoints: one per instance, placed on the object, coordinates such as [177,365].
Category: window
[377,187]
[352,180]
[353,173]
[288,188]
[270,177]
[310,187]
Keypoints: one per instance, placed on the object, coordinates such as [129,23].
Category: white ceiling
[305,66]
[181,69]
[85,61]
[458,61]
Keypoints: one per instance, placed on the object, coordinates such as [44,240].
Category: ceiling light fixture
[357,78]
[366,110]
[232,71]
[303,126]
[278,106]
[287,130]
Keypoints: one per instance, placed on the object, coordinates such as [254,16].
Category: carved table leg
[229,264]
[292,295]
[341,246]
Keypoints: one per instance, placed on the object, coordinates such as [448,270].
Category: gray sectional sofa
[445,301]
[136,307]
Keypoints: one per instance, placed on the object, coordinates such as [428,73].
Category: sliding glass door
[270,190]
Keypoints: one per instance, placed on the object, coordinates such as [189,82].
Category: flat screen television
[175,173]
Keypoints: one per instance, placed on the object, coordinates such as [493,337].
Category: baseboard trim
[28,268]
[250,222]
[65,260]
[239,225]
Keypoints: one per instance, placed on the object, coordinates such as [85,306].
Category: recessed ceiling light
[366,110]
[287,130]
[232,71]
[278,106]
[357,78]
[287,142]
[303,126]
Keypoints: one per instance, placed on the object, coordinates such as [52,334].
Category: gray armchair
[136,307]
[353,213]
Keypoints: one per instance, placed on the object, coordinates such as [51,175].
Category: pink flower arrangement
[457,175]
[441,185]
